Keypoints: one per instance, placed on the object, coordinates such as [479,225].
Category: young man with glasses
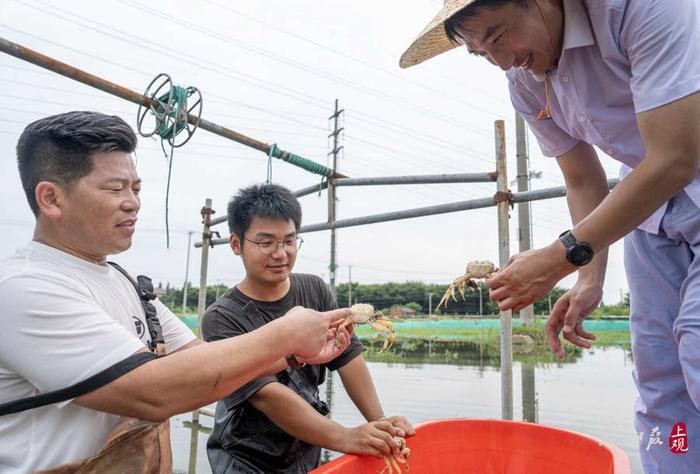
[622,76]
[277,423]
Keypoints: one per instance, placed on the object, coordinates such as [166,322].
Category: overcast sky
[272,70]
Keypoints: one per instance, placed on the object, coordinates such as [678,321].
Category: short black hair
[270,201]
[470,11]
[59,148]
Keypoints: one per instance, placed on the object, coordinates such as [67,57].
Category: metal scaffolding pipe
[38,59]
[207,211]
[312,189]
[535,195]
[506,317]
[391,180]
[218,220]
[424,179]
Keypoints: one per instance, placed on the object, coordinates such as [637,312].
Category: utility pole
[187,272]
[331,191]
[430,304]
[527,317]
[349,285]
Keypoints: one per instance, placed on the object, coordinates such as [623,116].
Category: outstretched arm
[671,163]
[189,379]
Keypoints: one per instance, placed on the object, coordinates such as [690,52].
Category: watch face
[580,254]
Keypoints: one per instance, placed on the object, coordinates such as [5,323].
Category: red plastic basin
[494,447]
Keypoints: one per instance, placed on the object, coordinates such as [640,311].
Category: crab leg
[337,332]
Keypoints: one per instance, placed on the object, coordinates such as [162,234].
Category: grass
[457,346]
[483,345]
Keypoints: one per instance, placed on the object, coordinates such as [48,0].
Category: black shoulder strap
[98,380]
[144,288]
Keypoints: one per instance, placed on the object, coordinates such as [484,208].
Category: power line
[232,74]
[102,32]
[171,53]
[337,52]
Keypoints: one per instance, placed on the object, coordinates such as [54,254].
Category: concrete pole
[503,255]
[187,272]
[527,315]
[331,195]
[331,219]
[430,304]
[527,376]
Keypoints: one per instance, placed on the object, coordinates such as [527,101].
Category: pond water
[593,395]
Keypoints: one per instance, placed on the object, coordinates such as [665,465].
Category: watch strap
[567,238]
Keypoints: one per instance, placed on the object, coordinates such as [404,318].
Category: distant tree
[412,294]
[387,295]
[173,297]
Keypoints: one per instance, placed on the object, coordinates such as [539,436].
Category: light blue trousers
[663,272]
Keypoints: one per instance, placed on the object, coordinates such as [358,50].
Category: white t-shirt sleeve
[661,39]
[54,334]
[175,332]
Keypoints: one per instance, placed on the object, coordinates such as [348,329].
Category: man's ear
[235,243]
[49,197]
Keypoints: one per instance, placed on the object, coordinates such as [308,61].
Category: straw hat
[433,40]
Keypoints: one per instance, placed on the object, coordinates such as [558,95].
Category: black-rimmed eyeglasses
[269,246]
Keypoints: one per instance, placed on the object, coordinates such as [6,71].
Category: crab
[393,462]
[477,269]
[365,314]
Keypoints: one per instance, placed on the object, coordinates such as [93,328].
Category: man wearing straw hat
[622,76]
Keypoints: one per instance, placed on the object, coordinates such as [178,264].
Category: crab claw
[461,291]
[389,341]
[445,299]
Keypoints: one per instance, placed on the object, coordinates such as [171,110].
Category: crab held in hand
[365,314]
[393,461]
[477,269]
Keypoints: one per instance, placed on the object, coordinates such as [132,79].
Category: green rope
[169,159]
[171,121]
[301,162]
[271,152]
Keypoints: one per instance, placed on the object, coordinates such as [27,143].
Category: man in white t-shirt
[68,315]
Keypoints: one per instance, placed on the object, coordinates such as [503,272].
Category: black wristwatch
[578,253]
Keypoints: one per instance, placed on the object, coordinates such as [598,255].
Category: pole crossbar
[38,59]
[525,196]
[312,189]
[393,180]
[424,179]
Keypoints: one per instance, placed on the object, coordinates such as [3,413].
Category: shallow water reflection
[593,395]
